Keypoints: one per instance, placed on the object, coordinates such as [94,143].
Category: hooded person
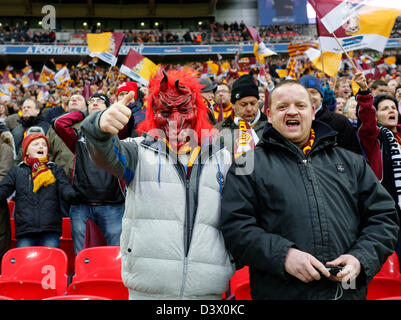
[171,240]
[347,136]
[39,184]
[242,131]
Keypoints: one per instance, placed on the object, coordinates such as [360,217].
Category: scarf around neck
[42,176]
[246,138]
[394,146]
[307,147]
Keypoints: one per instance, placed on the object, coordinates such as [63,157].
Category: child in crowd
[39,184]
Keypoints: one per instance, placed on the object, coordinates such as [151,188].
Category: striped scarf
[307,147]
[41,174]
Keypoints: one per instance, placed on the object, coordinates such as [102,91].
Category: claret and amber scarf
[42,176]
[309,144]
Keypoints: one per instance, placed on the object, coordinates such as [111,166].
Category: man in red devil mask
[171,244]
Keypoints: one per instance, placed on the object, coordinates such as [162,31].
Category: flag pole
[346,53]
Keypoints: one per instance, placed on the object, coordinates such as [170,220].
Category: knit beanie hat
[101,96]
[128,86]
[309,81]
[29,138]
[244,86]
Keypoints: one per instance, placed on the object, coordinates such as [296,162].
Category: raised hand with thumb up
[117,115]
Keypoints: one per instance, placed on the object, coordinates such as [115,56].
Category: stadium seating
[33,273]
[98,272]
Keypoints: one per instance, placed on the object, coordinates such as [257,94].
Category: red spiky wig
[186,78]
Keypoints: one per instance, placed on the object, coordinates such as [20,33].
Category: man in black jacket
[307,205]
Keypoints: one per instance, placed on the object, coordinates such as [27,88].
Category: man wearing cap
[346,137]
[242,131]
[102,197]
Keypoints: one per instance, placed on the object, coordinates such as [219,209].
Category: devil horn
[164,81]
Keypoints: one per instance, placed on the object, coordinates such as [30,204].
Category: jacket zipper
[306,163]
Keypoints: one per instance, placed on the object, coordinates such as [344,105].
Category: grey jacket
[171,243]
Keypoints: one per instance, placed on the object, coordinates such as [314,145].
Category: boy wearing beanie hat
[347,137]
[39,184]
[242,131]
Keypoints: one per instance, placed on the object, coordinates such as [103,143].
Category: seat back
[391,267]
[383,288]
[77,297]
[11,207]
[98,263]
[46,265]
[241,276]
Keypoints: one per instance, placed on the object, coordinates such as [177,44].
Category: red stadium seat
[243,292]
[239,284]
[25,290]
[391,268]
[391,298]
[98,272]
[11,207]
[383,288]
[66,243]
[13,240]
[6,298]
[76,297]
[108,288]
[29,268]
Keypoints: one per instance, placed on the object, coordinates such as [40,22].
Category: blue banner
[273,12]
[74,50]
[144,50]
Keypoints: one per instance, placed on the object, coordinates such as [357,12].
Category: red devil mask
[175,112]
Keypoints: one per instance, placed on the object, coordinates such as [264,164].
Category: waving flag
[62,76]
[329,62]
[259,48]
[105,45]
[46,74]
[357,24]
[138,67]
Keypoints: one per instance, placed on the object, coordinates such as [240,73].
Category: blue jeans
[107,217]
[41,239]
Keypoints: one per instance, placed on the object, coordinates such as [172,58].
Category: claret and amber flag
[46,74]
[138,67]
[357,24]
[105,46]
[259,48]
